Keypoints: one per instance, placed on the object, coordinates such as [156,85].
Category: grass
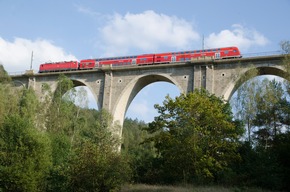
[159,188]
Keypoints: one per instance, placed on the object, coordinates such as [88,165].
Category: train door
[97,64]
[217,55]
[173,59]
[158,59]
[133,61]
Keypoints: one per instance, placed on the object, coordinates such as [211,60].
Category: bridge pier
[107,95]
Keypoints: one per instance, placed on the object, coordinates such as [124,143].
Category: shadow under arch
[133,88]
[234,85]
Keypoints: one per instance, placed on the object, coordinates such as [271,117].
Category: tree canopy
[195,136]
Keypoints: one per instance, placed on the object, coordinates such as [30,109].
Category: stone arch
[132,89]
[17,83]
[77,83]
[237,82]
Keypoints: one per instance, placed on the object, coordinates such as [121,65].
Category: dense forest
[52,144]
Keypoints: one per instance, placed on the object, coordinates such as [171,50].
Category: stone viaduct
[114,88]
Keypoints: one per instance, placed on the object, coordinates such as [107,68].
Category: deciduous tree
[25,155]
[195,136]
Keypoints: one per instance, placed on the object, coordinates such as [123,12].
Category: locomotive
[145,59]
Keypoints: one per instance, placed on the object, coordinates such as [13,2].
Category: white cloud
[88,11]
[141,110]
[239,36]
[147,31]
[16,56]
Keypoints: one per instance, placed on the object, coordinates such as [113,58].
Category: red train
[146,59]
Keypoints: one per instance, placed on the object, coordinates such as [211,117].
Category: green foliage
[29,105]
[195,137]
[96,165]
[262,104]
[243,103]
[25,156]
[53,145]
[281,150]
[258,167]
[84,150]
[4,77]
[62,110]
[8,101]
[95,169]
[141,154]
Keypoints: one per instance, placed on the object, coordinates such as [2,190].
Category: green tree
[62,108]
[4,77]
[9,98]
[96,165]
[24,156]
[61,117]
[29,105]
[258,168]
[195,137]
[9,101]
[141,154]
[245,106]
[243,102]
[271,115]
[281,151]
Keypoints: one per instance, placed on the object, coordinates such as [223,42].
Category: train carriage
[88,64]
[145,59]
[228,53]
[117,61]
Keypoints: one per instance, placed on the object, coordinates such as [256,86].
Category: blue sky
[58,30]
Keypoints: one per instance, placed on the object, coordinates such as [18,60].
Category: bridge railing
[269,53]
[17,73]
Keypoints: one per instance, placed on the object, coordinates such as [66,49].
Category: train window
[165,57]
[226,52]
